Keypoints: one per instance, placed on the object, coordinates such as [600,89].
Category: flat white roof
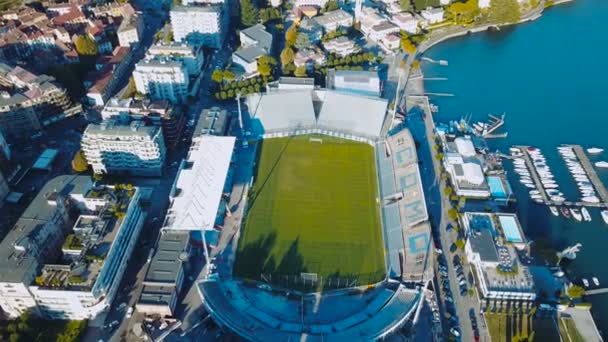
[197,191]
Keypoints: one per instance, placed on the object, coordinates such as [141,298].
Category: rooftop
[112,128]
[259,34]
[165,265]
[212,121]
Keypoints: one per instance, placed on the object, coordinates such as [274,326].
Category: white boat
[594,150]
[551,186]
[596,281]
[590,199]
[536,196]
[605,216]
[585,282]
[601,164]
[534,192]
[530,186]
[586,215]
[558,199]
[514,149]
[554,211]
[576,214]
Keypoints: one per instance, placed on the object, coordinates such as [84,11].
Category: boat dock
[533,174]
[599,186]
[596,291]
[430,60]
[593,177]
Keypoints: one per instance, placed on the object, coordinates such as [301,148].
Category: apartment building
[201,24]
[162,79]
[115,148]
[66,255]
[192,57]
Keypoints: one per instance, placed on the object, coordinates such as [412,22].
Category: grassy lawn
[313,209]
[508,327]
[568,331]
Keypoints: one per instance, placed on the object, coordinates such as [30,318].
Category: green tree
[217,76]
[291,35]
[419,5]
[504,11]
[463,12]
[331,5]
[79,163]
[407,45]
[302,41]
[301,71]
[460,243]
[228,75]
[575,291]
[405,5]
[265,65]
[268,14]
[249,13]
[287,56]
[453,214]
[85,45]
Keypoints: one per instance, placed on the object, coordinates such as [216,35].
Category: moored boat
[595,150]
[596,281]
[602,164]
[565,211]
[586,215]
[554,211]
[585,282]
[605,216]
[576,214]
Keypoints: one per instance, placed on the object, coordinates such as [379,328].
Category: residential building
[130,30]
[5,151]
[114,148]
[24,93]
[406,22]
[311,29]
[381,30]
[203,24]
[341,46]
[432,15]
[491,250]
[317,3]
[59,269]
[157,113]
[365,83]
[369,18]
[165,276]
[192,57]
[162,79]
[390,42]
[309,57]
[255,43]
[109,71]
[332,21]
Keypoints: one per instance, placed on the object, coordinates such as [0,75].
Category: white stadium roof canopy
[197,191]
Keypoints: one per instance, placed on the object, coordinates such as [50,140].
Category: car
[449,227]
[455,331]
[121,306]
[129,312]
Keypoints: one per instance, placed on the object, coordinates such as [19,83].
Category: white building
[331,21]
[500,273]
[365,83]
[465,170]
[341,46]
[162,79]
[390,42]
[305,57]
[130,30]
[369,18]
[255,43]
[204,25]
[317,3]
[406,21]
[432,15]
[111,148]
[484,4]
[381,30]
[192,57]
[35,275]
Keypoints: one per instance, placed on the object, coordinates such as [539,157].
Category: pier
[438,94]
[533,174]
[593,177]
[430,60]
[603,290]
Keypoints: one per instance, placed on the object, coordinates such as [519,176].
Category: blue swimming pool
[510,228]
[496,187]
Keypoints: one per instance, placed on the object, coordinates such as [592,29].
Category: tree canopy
[463,12]
[287,56]
[331,5]
[27,328]
[504,11]
[407,45]
[217,76]
[419,5]
[268,14]
[266,64]
[405,5]
[79,163]
[291,35]
[302,41]
[576,291]
[249,13]
[301,71]
[85,45]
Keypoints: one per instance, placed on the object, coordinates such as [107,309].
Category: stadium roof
[357,114]
[281,110]
[198,188]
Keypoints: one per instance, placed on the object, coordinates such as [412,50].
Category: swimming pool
[496,187]
[510,228]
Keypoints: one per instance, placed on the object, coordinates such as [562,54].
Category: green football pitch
[313,209]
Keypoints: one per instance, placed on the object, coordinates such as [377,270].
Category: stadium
[334,235]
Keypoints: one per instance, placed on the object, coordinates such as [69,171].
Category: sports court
[313,209]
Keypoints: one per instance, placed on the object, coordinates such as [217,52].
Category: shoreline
[532,16]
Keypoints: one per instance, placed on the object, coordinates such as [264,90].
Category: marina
[534,174]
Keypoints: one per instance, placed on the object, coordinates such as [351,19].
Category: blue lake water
[551,79]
